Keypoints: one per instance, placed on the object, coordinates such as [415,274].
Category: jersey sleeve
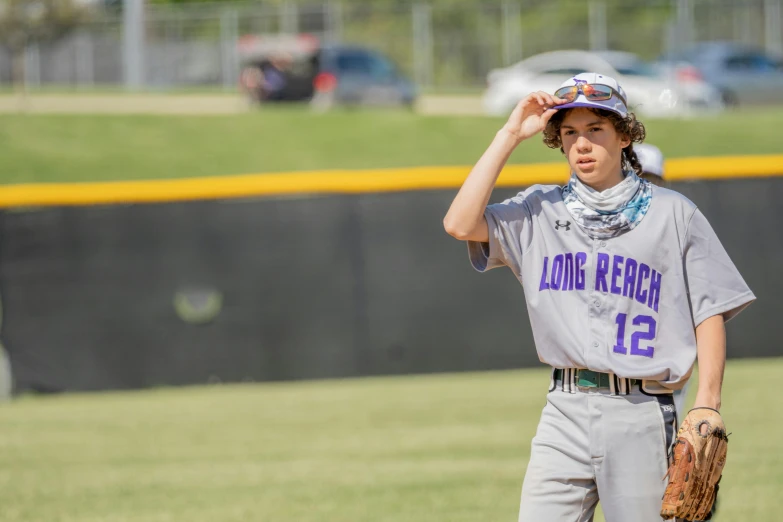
[715,286]
[509,225]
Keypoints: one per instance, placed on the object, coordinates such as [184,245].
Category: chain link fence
[439,46]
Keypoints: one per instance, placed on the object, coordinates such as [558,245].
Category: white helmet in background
[650,157]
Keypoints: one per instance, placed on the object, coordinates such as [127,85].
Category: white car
[650,92]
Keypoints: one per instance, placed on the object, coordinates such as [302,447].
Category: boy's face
[593,148]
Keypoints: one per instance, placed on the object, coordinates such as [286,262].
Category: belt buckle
[584,383]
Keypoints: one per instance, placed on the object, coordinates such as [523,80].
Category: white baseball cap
[650,157]
[615,104]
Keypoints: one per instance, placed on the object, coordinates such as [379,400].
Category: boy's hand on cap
[531,115]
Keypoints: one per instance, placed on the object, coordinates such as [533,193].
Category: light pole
[133,43]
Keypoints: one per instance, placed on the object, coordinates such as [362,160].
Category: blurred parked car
[650,91]
[743,75]
[300,68]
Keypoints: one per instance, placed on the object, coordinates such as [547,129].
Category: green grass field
[63,148]
[412,449]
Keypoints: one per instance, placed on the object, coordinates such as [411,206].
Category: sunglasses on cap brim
[591,91]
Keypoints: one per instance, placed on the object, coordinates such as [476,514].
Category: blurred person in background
[651,159]
[274,76]
[267,80]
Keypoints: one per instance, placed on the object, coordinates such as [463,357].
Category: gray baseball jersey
[627,305]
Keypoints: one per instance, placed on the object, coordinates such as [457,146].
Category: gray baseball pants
[597,443]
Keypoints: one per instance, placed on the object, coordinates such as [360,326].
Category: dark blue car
[325,75]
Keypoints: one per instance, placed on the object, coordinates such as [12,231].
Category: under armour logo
[559,225]
[667,407]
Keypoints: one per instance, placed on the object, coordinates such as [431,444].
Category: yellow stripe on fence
[348,182]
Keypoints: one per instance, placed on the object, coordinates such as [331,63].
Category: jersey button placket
[594,355]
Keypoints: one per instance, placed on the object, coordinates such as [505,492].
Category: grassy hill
[64,148]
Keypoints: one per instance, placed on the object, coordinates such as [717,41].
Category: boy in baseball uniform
[627,286]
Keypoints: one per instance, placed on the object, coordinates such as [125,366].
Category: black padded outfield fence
[314,286]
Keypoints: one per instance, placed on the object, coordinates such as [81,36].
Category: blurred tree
[467,36]
[23,22]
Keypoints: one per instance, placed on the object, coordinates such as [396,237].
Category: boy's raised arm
[465,219]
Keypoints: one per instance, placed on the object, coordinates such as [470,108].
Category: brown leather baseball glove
[696,466]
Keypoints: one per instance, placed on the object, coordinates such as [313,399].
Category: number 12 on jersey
[637,336]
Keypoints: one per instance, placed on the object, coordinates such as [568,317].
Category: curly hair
[628,126]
